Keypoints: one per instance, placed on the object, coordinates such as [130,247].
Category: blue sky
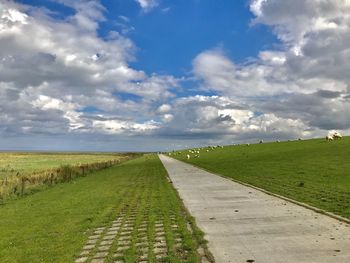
[162,74]
[168,38]
[168,41]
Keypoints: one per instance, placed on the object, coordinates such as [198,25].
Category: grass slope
[315,172]
[53,225]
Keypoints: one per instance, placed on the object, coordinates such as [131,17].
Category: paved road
[245,225]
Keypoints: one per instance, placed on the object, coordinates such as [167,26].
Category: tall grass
[19,185]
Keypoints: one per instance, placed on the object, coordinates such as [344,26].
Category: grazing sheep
[188,156]
[329,138]
[337,136]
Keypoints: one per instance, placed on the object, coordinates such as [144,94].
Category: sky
[158,75]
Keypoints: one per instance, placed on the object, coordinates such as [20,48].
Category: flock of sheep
[196,152]
[334,136]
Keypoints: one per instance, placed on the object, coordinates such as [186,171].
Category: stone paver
[97,260]
[85,253]
[106,242]
[81,260]
[92,242]
[87,247]
[109,237]
[101,255]
[245,225]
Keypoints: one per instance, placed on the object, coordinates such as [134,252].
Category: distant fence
[19,185]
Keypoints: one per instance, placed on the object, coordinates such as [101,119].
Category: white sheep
[329,138]
[337,135]
[188,156]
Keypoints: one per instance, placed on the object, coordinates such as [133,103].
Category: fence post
[23,185]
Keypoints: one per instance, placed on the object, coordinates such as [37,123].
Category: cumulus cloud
[222,75]
[117,127]
[164,108]
[305,81]
[214,119]
[47,85]
[70,83]
[148,5]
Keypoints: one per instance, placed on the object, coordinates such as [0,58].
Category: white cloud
[305,81]
[167,118]
[148,5]
[68,81]
[164,108]
[124,127]
[222,120]
[66,68]
[220,74]
[14,16]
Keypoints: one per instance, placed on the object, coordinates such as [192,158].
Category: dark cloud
[328,94]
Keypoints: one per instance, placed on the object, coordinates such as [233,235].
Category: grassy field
[24,173]
[315,172]
[54,225]
[12,163]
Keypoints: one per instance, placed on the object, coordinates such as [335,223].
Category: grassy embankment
[53,225]
[315,172]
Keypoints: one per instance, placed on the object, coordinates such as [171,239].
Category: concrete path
[245,225]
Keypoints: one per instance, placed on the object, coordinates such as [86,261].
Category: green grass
[53,225]
[24,173]
[12,163]
[315,172]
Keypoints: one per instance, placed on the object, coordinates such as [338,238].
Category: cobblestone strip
[99,243]
[143,231]
[160,249]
